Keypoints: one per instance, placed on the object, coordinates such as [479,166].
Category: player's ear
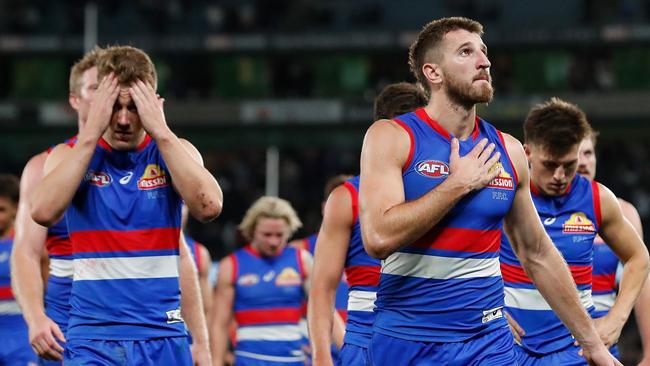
[74,101]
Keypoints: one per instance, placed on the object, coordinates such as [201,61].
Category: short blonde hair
[88,61]
[269,207]
[128,64]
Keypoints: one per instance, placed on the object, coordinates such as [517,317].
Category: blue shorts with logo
[154,352]
[15,350]
[353,355]
[566,357]
[492,349]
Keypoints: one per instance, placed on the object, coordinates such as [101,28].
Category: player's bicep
[615,229]
[385,150]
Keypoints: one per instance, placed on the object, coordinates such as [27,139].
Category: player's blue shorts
[353,355]
[15,350]
[154,352]
[491,349]
[566,357]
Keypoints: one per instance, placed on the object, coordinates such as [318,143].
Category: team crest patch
[503,180]
[153,177]
[248,279]
[432,168]
[99,179]
[578,223]
[288,277]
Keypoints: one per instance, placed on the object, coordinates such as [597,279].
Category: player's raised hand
[473,170]
[101,108]
[43,336]
[150,108]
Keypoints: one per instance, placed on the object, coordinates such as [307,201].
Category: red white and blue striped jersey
[268,304]
[59,281]
[124,223]
[362,273]
[446,286]
[571,221]
[11,318]
[606,265]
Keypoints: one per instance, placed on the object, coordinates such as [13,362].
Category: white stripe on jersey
[9,307]
[258,356]
[440,268]
[604,302]
[61,267]
[361,300]
[126,268]
[269,333]
[532,299]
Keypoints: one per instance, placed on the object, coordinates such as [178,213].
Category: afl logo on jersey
[99,179]
[432,168]
[153,177]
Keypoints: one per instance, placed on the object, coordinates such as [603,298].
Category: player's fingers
[52,344]
[476,151]
[58,333]
[455,146]
[493,160]
[486,153]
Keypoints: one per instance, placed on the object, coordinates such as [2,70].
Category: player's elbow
[208,211]
[43,216]
[378,247]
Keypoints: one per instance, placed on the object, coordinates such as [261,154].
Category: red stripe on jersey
[57,245]
[412,148]
[301,266]
[123,241]
[6,293]
[235,269]
[363,275]
[514,274]
[596,194]
[605,282]
[461,240]
[266,316]
[423,115]
[354,195]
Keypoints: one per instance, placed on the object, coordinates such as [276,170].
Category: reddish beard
[468,94]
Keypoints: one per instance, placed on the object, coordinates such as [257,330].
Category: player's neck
[456,119]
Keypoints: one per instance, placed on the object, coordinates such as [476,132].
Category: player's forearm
[642,314]
[206,295]
[402,224]
[320,319]
[635,273]
[194,183]
[191,304]
[219,342]
[27,284]
[55,192]
[551,276]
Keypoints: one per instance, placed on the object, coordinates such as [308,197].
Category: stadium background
[277,94]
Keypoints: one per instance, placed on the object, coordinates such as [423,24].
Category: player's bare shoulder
[386,141]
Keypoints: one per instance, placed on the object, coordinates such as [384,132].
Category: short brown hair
[88,61]
[128,64]
[424,48]
[556,126]
[10,187]
[334,182]
[397,99]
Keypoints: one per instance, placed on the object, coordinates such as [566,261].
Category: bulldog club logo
[503,180]
[153,177]
[432,168]
[99,179]
[288,277]
[578,223]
